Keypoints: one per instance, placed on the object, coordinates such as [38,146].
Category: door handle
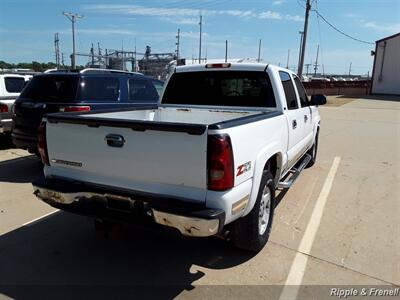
[294,124]
[305,118]
[115,140]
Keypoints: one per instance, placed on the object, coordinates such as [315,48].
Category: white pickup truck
[206,161]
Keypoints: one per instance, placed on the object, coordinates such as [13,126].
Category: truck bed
[191,120]
[177,115]
[164,150]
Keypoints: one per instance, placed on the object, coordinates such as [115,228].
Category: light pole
[73,17]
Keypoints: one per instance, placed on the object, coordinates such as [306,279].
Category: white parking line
[31,222]
[299,264]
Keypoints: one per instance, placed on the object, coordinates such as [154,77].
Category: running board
[295,173]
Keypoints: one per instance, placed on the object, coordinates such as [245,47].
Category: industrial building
[386,69]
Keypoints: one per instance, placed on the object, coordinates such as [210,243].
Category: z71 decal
[243,168]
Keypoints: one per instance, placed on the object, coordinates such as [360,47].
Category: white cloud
[270,15]
[139,10]
[278,2]
[294,18]
[185,15]
[384,28]
[183,21]
[351,15]
[377,27]
[107,31]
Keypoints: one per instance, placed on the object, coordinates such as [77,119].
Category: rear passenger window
[14,84]
[99,89]
[290,94]
[302,93]
[142,90]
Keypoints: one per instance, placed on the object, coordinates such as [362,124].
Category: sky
[27,29]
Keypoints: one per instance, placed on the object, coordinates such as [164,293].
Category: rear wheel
[251,232]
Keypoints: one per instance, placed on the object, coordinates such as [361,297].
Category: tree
[4,65]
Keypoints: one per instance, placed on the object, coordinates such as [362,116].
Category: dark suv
[72,91]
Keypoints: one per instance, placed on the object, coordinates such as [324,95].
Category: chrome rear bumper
[189,226]
[189,221]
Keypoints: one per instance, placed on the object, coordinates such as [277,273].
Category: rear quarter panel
[253,144]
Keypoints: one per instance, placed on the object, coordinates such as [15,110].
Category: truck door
[306,114]
[294,119]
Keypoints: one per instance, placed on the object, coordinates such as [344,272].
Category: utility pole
[288,57]
[301,43]
[307,66]
[57,50]
[62,59]
[106,60]
[226,50]
[177,45]
[304,39]
[92,54]
[316,63]
[259,50]
[135,69]
[123,57]
[73,17]
[350,69]
[201,24]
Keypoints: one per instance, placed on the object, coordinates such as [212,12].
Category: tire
[313,152]
[250,233]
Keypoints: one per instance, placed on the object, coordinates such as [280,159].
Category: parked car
[206,161]
[11,85]
[66,91]
[320,79]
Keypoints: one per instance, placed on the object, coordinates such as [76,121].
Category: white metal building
[386,69]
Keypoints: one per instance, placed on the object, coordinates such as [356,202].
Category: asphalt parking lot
[339,225]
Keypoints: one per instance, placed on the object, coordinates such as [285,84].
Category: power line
[334,27]
[340,31]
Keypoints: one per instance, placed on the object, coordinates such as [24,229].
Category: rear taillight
[75,108]
[42,144]
[220,163]
[3,108]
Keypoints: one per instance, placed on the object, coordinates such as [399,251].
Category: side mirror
[318,100]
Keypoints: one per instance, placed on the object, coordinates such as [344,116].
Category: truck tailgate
[166,160]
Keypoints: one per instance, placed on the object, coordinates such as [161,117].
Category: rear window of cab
[227,88]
